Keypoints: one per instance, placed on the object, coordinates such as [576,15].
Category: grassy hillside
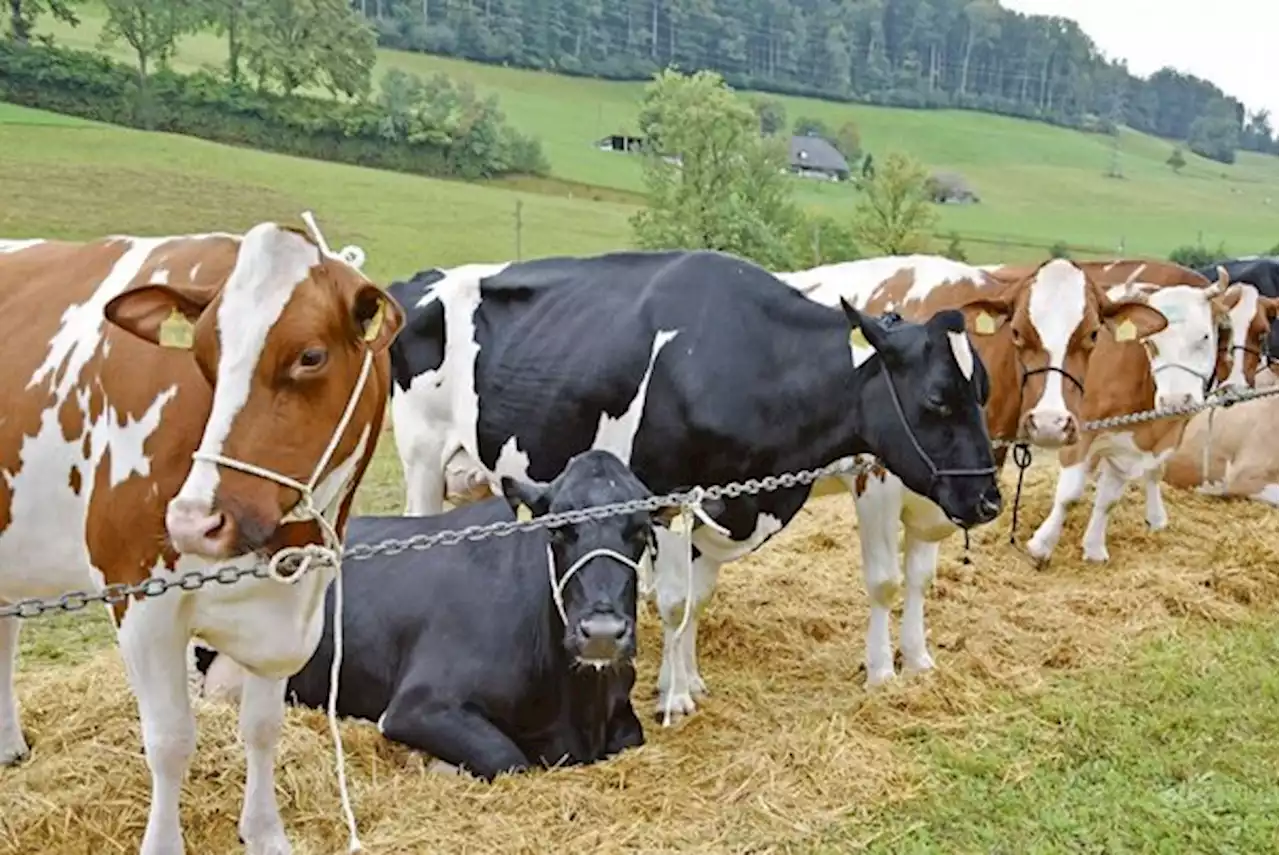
[71,178]
[1039,184]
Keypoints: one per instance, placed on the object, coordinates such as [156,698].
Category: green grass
[1039,184]
[97,179]
[1173,752]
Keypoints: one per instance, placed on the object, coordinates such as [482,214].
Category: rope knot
[291,563]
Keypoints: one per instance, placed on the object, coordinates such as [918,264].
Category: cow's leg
[922,564]
[1110,488]
[879,510]
[423,481]
[679,682]
[13,746]
[1071,483]
[625,731]
[261,718]
[153,645]
[453,734]
[1157,516]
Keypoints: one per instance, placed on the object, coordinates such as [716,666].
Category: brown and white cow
[1231,452]
[1034,334]
[1173,368]
[128,358]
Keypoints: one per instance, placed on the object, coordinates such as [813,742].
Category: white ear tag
[677,525]
[1126,330]
[523,513]
[860,347]
[984,324]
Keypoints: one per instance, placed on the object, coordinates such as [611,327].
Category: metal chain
[194,580]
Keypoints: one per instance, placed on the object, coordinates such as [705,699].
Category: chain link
[194,580]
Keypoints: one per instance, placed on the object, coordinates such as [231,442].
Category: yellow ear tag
[984,324]
[176,331]
[858,339]
[374,326]
[523,514]
[1126,331]
[677,524]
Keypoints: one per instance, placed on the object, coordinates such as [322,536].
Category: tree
[807,126]
[771,113]
[296,43]
[1215,135]
[848,141]
[150,27]
[1176,161]
[231,18]
[894,215]
[711,180]
[955,250]
[23,15]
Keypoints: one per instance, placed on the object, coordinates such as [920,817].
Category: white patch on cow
[962,352]
[159,276]
[271,263]
[619,435]
[1056,307]
[195,271]
[857,281]
[1269,494]
[43,551]
[8,246]
[435,418]
[1241,320]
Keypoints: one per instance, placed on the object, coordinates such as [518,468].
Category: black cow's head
[595,562]
[920,409]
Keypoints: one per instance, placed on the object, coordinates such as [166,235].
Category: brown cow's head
[1051,316]
[283,343]
[1243,342]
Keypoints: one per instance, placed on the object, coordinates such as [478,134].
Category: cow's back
[1243,454]
[86,404]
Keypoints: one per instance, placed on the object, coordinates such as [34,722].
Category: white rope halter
[558,585]
[290,563]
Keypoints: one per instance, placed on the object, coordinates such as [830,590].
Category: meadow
[1039,184]
[1124,708]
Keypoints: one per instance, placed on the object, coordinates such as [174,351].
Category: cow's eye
[312,358]
[937,405]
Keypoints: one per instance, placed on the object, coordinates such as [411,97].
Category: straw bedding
[788,746]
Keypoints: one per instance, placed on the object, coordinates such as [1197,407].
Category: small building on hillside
[951,188]
[814,157]
[620,142]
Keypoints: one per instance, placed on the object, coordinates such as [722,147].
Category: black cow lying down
[462,651]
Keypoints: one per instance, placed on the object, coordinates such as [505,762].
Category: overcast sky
[1230,43]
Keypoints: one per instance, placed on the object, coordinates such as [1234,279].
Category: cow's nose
[196,528]
[990,504]
[1176,400]
[1050,429]
[605,627]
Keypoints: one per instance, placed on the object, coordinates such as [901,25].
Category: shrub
[1194,255]
[470,138]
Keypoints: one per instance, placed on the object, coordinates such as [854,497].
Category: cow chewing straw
[788,748]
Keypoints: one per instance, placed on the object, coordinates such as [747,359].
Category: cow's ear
[1268,306]
[865,331]
[160,314]
[1130,320]
[527,500]
[985,315]
[378,316]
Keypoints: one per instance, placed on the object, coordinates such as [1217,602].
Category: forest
[967,54]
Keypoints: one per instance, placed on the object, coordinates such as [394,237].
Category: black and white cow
[693,368]
[494,655]
[1263,273]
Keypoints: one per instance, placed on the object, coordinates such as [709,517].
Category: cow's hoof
[1158,524]
[13,753]
[880,677]
[698,687]
[1039,552]
[273,844]
[680,705]
[921,664]
[1096,555]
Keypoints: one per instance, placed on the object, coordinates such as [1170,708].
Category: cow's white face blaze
[283,342]
[1250,317]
